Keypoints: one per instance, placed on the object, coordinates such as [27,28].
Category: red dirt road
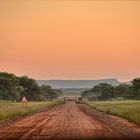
[70,121]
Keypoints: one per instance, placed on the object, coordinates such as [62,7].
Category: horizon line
[82,79]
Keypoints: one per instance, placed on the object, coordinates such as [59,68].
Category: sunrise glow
[70,39]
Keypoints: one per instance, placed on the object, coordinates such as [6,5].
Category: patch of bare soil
[70,121]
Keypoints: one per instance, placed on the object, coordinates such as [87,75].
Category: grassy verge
[129,110]
[9,110]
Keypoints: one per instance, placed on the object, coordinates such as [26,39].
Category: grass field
[10,109]
[129,110]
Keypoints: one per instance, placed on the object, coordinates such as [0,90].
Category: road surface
[70,121]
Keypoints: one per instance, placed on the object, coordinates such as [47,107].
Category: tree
[14,88]
[102,91]
[86,93]
[136,87]
[123,90]
[30,89]
[106,90]
[58,92]
[48,92]
[9,86]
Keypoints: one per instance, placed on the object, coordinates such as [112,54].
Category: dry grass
[10,109]
[126,109]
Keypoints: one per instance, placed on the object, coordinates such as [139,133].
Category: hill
[64,84]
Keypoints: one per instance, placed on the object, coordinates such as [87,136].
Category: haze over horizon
[70,39]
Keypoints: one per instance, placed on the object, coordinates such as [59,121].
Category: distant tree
[86,93]
[9,86]
[123,90]
[136,87]
[102,91]
[48,92]
[58,92]
[30,89]
[106,91]
[14,88]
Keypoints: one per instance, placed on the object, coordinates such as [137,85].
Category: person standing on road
[24,101]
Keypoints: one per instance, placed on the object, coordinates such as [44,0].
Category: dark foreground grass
[9,110]
[129,110]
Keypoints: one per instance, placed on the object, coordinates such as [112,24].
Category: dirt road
[70,121]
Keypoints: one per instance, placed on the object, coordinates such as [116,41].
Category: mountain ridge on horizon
[77,83]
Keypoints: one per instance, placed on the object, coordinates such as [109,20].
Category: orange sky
[70,39]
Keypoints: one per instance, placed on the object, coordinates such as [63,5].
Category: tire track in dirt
[70,121]
[113,126]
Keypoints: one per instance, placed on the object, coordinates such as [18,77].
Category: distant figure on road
[24,101]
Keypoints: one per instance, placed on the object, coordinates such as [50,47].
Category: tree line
[106,91]
[13,87]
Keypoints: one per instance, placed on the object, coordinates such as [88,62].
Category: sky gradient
[70,39]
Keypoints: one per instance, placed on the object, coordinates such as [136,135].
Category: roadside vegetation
[14,88]
[105,92]
[129,110]
[122,100]
[10,109]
